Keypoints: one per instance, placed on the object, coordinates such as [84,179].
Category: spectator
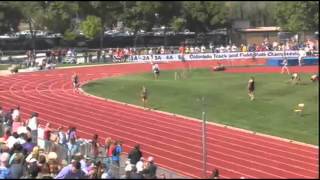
[34,155]
[17,169]
[108,158]
[47,132]
[203,49]
[33,171]
[32,123]
[16,114]
[135,175]
[28,145]
[72,133]
[135,154]
[72,171]
[95,147]
[150,170]
[12,139]
[128,169]
[5,172]
[140,165]
[7,134]
[116,154]
[62,136]
[73,148]
[2,115]
[116,159]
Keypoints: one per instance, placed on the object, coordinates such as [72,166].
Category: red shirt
[181,50]
[110,150]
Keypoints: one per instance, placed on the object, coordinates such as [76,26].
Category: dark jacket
[150,172]
[134,175]
[135,156]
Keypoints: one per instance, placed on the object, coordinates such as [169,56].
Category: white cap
[150,159]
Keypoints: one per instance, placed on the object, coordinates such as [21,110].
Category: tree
[202,16]
[59,15]
[299,16]
[31,12]
[259,13]
[9,18]
[108,11]
[178,24]
[91,27]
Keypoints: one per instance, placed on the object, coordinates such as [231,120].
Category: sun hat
[150,159]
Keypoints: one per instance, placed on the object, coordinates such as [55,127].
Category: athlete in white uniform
[302,54]
[156,71]
[285,65]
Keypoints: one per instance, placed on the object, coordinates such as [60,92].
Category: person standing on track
[156,70]
[285,65]
[251,88]
[75,82]
[144,96]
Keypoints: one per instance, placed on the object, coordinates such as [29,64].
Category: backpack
[114,151]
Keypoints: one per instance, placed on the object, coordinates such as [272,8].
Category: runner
[75,82]
[251,88]
[285,64]
[144,96]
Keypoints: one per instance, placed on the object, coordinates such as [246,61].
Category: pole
[204,144]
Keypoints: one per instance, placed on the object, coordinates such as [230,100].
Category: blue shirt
[118,151]
[66,173]
[5,173]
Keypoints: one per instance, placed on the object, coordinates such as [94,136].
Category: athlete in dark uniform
[144,96]
[251,88]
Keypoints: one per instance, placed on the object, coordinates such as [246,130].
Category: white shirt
[11,141]
[233,48]
[33,123]
[155,66]
[203,48]
[139,166]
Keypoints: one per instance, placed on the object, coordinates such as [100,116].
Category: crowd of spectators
[22,157]
[309,46]
[122,54]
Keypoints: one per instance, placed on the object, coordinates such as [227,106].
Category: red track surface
[173,141]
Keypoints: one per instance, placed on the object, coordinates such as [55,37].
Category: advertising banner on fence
[212,56]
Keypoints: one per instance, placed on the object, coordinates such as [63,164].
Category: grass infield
[226,100]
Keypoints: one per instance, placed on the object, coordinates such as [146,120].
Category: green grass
[4,66]
[226,100]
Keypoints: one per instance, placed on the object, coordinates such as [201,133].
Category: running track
[174,141]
